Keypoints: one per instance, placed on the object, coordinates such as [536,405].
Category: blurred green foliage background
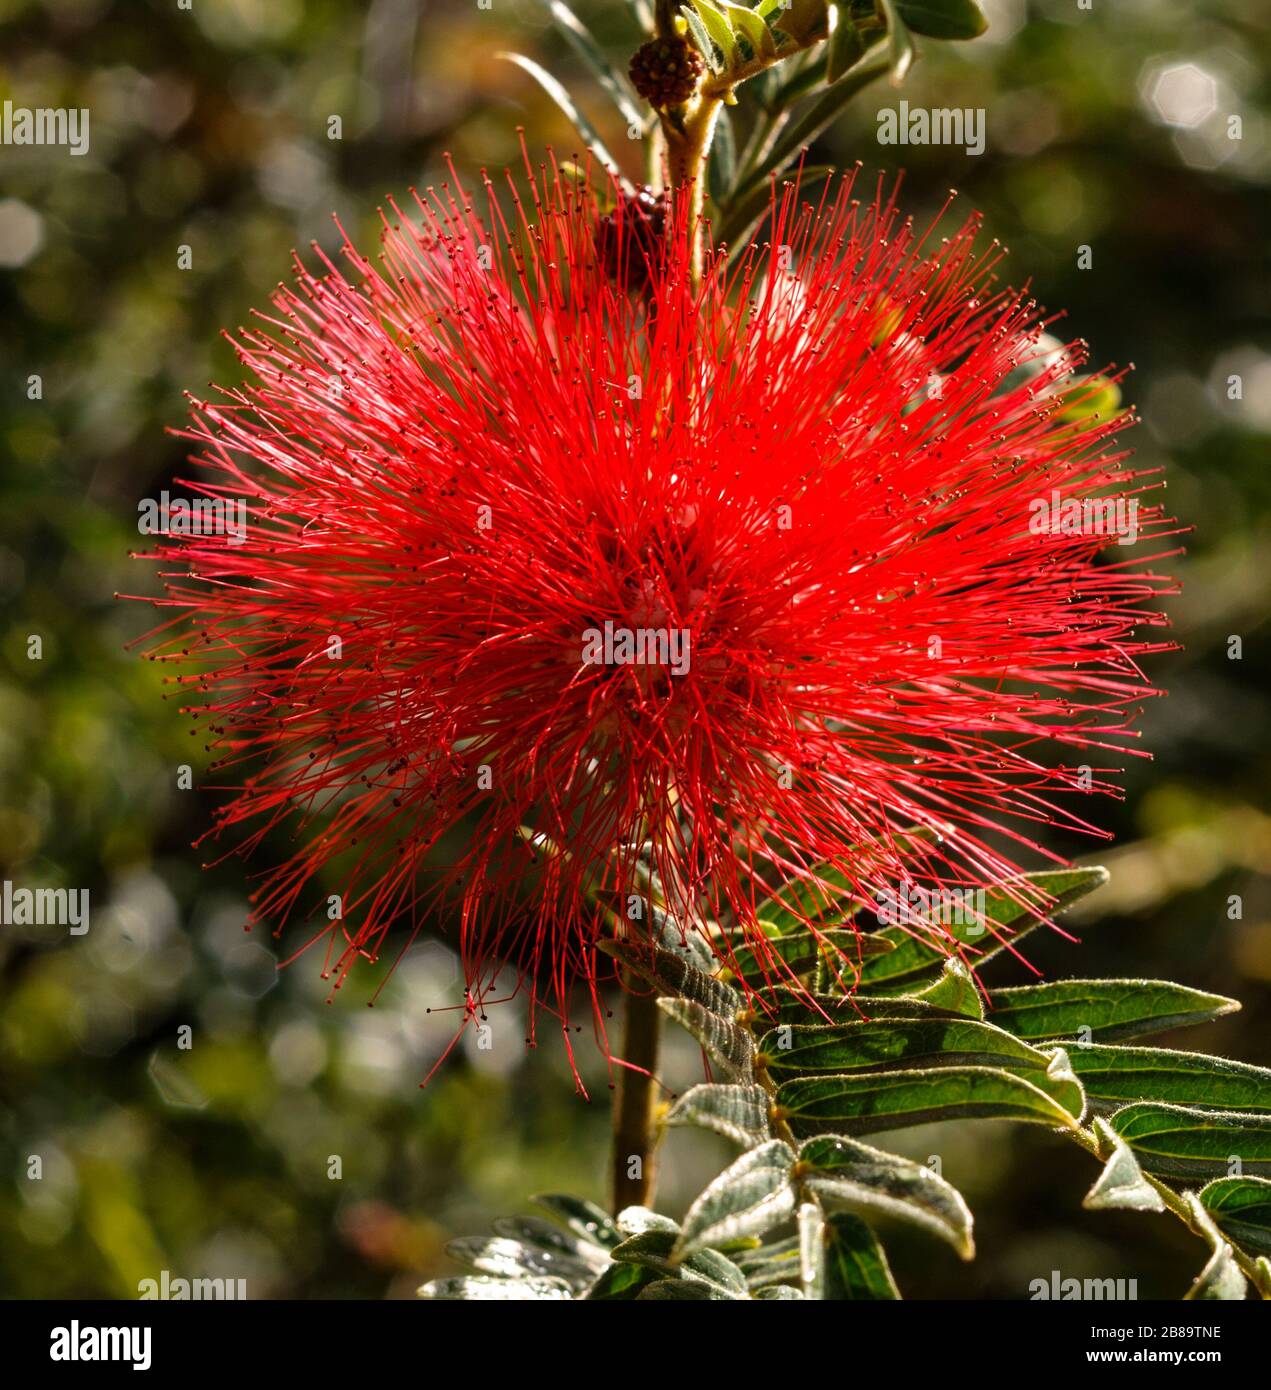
[1107,126]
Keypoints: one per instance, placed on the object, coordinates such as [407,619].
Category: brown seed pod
[665,71]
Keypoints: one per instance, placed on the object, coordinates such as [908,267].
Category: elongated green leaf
[702,40]
[846,1174]
[819,1009]
[811,1226]
[1241,1209]
[1108,1009]
[751,27]
[900,45]
[1185,1142]
[514,1259]
[639,1221]
[955,990]
[620,1283]
[723,161]
[586,131]
[1115,1076]
[891,1044]
[797,953]
[1121,1185]
[855,1264]
[672,973]
[614,83]
[739,1113]
[781,1292]
[1221,1279]
[826,893]
[590,1223]
[845,44]
[729,1046]
[871,1102]
[655,1250]
[642,13]
[632,915]
[533,1230]
[942,19]
[480,1288]
[720,31]
[778,1262]
[751,1196]
[1009,919]
[679,1291]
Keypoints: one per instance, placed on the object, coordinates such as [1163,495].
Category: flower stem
[634,1155]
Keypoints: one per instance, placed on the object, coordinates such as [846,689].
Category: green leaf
[620,1283]
[855,1264]
[588,1222]
[1184,1142]
[825,892]
[667,971]
[955,990]
[1115,1076]
[739,1113]
[777,1262]
[796,953]
[942,19]
[845,46]
[794,1006]
[702,41]
[654,1250]
[610,79]
[751,1196]
[900,46]
[514,1259]
[811,1237]
[642,13]
[483,1289]
[1121,1185]
[586,131]
[720,31]
[1009,918]
[729,1046]
[639,1221]
[893,1043]
[679,1291]
[779,1291]
[722,166]
[1241,1208]
[1109,1009]
[846,1174]
[1221,1279]
[875,1101]
[751,27]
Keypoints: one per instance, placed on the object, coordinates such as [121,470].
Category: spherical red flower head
[549,585]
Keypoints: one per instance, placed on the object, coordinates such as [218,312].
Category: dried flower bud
[665,71]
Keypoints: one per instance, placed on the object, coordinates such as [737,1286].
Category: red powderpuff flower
[551,580]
